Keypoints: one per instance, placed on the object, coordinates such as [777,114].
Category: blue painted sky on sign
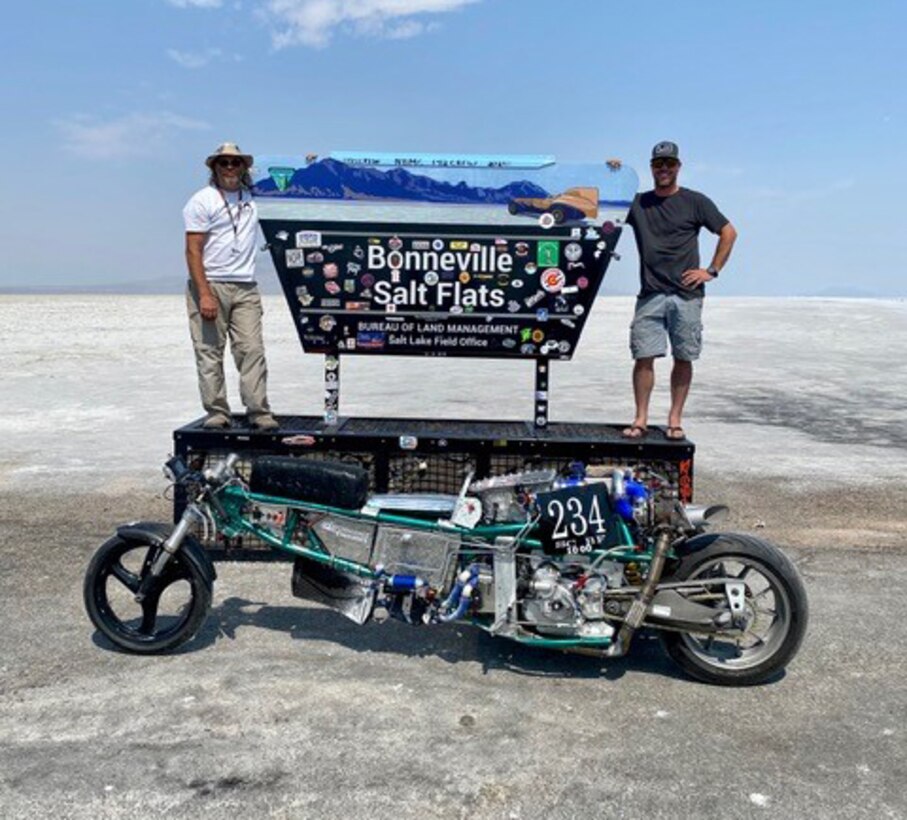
[611,184]
[788,115]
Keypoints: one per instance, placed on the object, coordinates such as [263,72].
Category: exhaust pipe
[640,605]
[700,516]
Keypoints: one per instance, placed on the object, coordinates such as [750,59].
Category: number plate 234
[577,520]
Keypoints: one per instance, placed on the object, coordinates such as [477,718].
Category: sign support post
[331,389]
[541,392]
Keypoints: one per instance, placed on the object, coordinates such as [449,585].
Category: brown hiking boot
[264,422]
[216,421]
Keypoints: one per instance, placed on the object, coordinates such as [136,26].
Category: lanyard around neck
[234,223]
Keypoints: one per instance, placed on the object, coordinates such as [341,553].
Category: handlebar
[179,473]
[223,471]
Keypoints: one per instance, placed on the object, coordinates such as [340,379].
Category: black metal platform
[419,455]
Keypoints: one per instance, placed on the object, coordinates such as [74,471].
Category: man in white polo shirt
[222,298]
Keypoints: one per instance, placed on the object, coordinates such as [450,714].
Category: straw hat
[229,149]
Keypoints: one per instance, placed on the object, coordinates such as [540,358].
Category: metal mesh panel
[504,464]
[429,473]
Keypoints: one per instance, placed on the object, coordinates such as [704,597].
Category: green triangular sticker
[281,177]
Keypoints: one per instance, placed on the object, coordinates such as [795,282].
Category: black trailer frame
[419,455]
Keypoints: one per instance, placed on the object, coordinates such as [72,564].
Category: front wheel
[773,622]
[171,613]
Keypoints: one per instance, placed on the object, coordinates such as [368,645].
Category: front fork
[168,549]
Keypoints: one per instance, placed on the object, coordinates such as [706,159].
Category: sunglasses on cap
[224,162]
[664,163]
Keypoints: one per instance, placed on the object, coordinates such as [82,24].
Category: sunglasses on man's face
[664,163]
[229,163]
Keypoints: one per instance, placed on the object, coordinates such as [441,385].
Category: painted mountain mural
[331,179]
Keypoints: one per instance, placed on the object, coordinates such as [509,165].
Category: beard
[665,180]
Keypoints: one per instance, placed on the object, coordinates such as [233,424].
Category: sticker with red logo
[553,280]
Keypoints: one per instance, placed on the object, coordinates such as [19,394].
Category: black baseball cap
[666,150]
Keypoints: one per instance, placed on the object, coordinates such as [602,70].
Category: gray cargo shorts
[663,316]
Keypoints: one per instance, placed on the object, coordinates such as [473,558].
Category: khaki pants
[239,318]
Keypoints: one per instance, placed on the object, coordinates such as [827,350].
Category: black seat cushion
[331,483]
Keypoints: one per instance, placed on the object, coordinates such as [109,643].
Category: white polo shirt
[229,220]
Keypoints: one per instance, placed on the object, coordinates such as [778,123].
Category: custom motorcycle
[578,560]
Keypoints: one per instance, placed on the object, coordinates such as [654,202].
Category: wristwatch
[712,271]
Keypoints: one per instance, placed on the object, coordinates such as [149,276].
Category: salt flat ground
[281,708]
[805,390]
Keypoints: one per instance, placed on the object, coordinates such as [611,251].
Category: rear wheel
[773,622]
[171,613]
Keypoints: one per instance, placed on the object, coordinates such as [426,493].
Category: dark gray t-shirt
[667,236]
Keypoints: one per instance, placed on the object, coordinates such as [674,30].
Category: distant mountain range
[331,179]
[160,286]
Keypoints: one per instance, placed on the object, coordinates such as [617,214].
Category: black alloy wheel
[171,613]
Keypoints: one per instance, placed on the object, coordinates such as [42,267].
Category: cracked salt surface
[806,390]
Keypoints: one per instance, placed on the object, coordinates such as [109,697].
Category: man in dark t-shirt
[666,222]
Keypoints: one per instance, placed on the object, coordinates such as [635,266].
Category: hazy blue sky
[792,116]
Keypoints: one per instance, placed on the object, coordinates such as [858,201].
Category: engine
[569,600]
[565,593]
